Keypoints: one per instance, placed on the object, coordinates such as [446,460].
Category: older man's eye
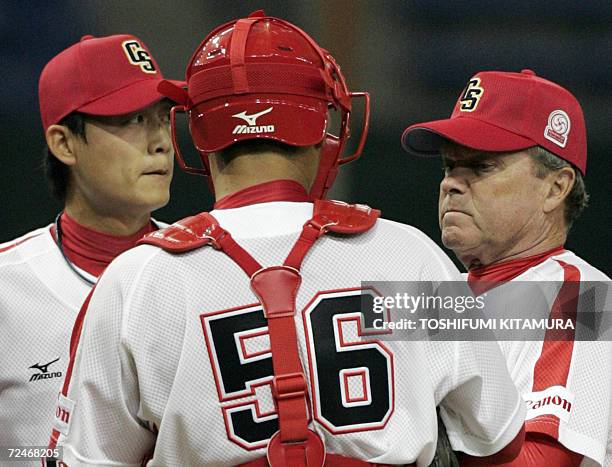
[482,167]
[165,116]
[447,166]
[136,119]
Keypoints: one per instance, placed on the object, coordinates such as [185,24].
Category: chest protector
[276,287]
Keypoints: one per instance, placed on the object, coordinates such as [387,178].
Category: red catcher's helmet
[262,77]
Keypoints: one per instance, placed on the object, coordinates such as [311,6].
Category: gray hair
[577,199]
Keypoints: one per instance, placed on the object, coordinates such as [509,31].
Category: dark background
[414,57]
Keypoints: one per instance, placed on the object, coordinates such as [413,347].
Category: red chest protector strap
[277,287]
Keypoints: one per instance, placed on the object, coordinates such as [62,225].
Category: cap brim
[131,98]
[174,90]
[426,139]
[215,125]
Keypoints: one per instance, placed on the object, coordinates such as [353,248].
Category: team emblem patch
[471,96]
[138,56]
[251,120]
[558,127]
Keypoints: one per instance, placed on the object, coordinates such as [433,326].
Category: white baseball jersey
[40,297]
[567,385]
[173,358]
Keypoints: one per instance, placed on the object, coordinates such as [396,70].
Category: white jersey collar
[264,219]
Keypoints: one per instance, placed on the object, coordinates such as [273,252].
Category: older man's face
[490,204]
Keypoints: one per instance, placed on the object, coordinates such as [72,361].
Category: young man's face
[126,163]
[490,204]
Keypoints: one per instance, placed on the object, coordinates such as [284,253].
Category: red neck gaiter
[277,190]
[485,278]
[92,251]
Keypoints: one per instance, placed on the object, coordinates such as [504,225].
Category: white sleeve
[438,266]
[97,419]
[569,397]
[479,404]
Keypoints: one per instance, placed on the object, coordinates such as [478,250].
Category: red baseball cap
[503,111]
[110,75]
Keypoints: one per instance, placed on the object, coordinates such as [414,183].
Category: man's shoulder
[393,240]
[142,264]
[407,236]
[409,231]
[568,260]
[20,248]
[135,258]
[32,269]
[414,248]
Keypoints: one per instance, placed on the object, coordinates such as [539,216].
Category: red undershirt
[277,190]
[485,278]
[92,251]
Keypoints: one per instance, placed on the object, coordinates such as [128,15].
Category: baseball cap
[505,111]
[110,75]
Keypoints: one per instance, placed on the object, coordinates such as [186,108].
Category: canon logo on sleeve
[555,400]
[550,400]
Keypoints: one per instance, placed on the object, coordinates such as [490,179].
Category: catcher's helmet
[262,77]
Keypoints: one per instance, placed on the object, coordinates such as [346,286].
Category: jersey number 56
[351,374]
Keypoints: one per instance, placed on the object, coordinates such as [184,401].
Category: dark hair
[577,199]
[58,173]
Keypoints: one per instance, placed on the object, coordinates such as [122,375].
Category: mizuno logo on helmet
[252,127]
[252,119]
[243,129]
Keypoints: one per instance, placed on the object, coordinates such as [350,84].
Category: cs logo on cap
[471,96]
[137,55]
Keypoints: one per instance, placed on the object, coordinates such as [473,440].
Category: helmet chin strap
[328,168]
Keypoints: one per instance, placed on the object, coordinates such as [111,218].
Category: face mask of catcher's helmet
[264,78]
